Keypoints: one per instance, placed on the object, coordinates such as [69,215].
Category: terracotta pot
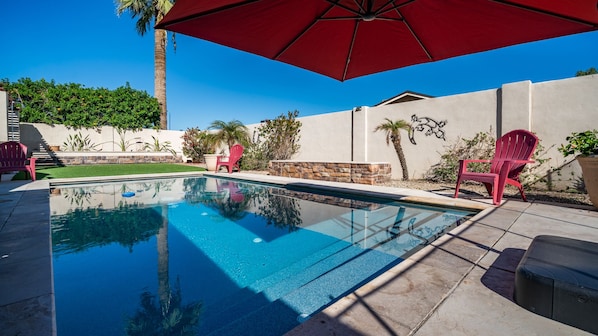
[589,169]
[211,160]
[55,148]
[211,185]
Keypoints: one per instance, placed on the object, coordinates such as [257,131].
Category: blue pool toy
[128,194]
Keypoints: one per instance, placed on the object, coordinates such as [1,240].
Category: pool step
[279,316]
[308,283]
[313,288]
[277,285]
[294,276]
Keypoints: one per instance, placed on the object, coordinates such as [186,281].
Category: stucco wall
[325,137]
[551,109]
[466,115]
[38,137]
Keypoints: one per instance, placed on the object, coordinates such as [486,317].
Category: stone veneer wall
[371,173]
[86,159]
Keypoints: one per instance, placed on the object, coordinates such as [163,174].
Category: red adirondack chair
[513,151]
[13,157]
[232,161]
[234,193]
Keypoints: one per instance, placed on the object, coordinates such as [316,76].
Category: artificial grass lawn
[108,170]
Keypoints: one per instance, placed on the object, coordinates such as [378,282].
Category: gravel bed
[477,189]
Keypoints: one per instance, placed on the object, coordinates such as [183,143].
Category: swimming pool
[217,256]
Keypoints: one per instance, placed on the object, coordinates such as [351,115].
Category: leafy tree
[165,317]
[392,130]
[76,106]
[230,132]
[150,12]
[281,211]
[127,225]
[590,71]
[277,139]
[281,136]
[131,109]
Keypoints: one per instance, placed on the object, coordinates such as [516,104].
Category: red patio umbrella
[344,39]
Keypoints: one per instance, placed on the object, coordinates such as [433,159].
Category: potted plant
[210,156]
[585,146]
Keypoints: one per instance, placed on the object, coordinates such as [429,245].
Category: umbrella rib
[379,11]
[378,18]
[393,7]
[338,4]
[359,5]
[198,15]
[415,36]
[545,12]
[350,51]
[339,18]
[297,37]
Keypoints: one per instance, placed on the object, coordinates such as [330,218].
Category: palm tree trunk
[163,278]
[396,142]
[160,73]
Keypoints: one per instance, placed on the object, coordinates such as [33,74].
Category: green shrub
[157,146]
[581,143]
[77,106]
[254,157]
[123,143]
[77,143]
[196,143]
[481,147]
[276,139]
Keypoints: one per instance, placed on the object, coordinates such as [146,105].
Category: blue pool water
[204,256]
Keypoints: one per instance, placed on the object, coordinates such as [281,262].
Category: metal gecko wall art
[427,124]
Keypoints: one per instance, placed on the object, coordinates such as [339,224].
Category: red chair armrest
[515,161]
[463,164]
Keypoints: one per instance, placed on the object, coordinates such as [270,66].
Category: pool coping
[453,263]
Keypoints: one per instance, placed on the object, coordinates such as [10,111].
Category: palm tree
[151,12]
[392,130]
[167,316]
[230,132]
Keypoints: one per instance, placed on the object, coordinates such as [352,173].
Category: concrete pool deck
[461,284]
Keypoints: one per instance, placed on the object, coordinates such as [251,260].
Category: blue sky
[85,42]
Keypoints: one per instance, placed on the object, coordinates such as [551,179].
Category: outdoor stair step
[44,159]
